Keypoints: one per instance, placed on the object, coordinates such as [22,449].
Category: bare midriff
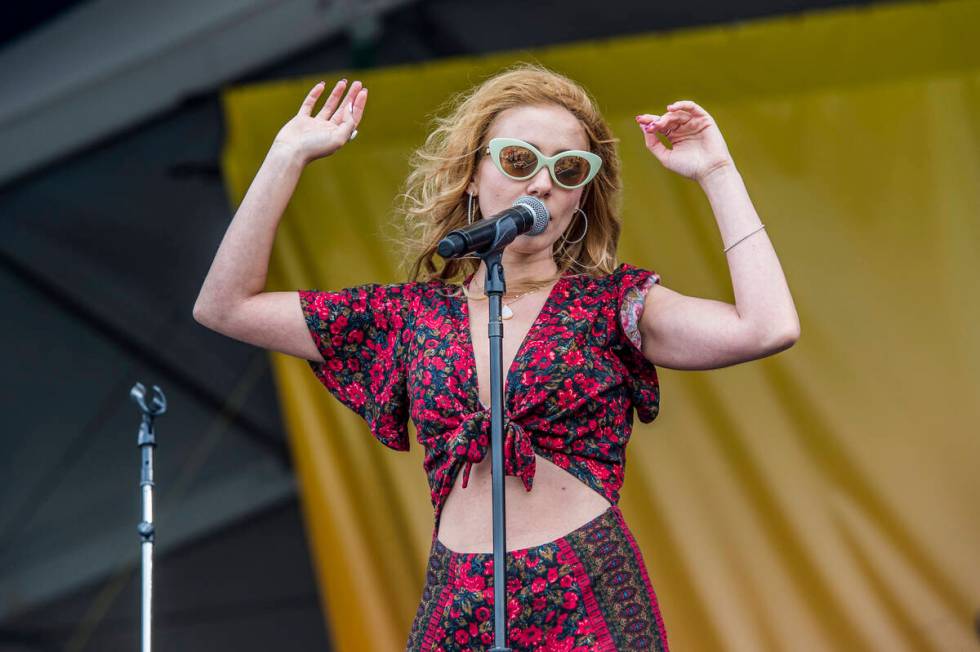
[558,502]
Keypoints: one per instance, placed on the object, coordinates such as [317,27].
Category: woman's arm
[682,332]
[231,300]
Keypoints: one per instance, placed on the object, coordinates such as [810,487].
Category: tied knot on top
[471,442]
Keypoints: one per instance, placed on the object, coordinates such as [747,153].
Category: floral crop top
[394,352]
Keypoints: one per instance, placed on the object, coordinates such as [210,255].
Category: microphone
[527,215]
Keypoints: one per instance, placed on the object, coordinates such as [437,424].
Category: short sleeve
[359,332]
[631,286]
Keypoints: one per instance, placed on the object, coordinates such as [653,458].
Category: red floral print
[586,591]
[394,352]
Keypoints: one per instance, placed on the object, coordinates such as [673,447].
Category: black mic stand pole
[504,232]
[494,287]
[146,440]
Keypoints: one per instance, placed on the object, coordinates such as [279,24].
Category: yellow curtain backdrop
[822,499]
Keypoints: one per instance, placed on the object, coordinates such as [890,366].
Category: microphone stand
[503,232]
[494,287]
[146,440]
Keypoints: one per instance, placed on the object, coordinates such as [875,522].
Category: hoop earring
[586,230]
[469,209]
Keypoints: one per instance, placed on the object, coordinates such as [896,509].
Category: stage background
[821,499]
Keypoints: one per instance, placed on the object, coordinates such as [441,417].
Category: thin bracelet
[732,245]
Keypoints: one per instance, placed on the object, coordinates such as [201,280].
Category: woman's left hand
[698,148]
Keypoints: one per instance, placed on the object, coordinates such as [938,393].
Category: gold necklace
[505,310]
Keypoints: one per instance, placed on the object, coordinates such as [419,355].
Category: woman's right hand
[315,136]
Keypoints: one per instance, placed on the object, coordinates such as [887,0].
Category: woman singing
[582,336]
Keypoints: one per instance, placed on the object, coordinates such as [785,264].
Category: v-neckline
[474,384]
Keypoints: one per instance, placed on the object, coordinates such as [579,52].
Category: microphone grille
[538,210]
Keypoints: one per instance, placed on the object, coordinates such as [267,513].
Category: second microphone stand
[494,288]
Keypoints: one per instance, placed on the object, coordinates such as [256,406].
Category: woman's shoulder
[622,276]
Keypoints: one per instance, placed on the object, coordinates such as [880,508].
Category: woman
[582,337]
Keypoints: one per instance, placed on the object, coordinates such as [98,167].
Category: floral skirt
[588,590]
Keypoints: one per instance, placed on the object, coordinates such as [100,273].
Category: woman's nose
[540,183]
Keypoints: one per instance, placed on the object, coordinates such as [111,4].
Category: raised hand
[316,136]
[697,147]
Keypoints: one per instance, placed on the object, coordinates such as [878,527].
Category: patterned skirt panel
[588,590]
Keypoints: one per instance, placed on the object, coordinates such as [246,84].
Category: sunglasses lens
[518,161]
[571,170]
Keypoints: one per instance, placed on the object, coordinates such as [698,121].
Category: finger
[355,112]
[655,124]
[646,118]
[655,145]
[333,100]
[357,108]
[306,108]
[688,105]
[352,99]
[341,114]
[651,135]
[674,120]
